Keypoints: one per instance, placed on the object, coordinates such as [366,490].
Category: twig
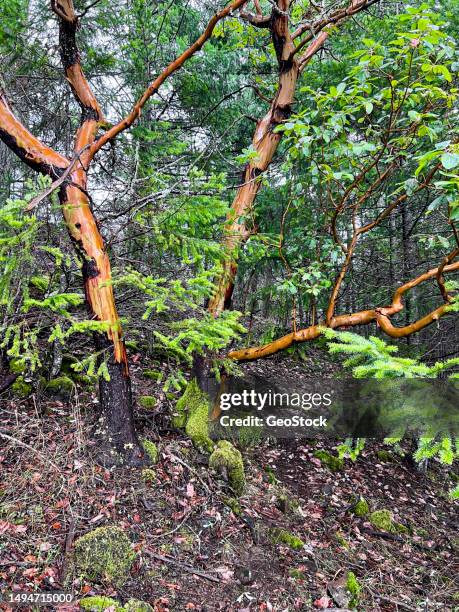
[68,545]
[168,533]
[193,471]
[182,566]
[390,536]
[31,448]
[39,198]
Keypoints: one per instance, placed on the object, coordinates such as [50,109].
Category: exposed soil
[51,493]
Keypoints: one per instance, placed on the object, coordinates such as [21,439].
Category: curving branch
[258,20]
[379,315]
[27,147]
[175,65]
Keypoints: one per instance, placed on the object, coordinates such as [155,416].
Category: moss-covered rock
[148,475]
[226,457]
[192,413]
[104,554]
[361,507]
[335,464]
[384,521]
[385,455]
[151,450]
[21,388]
[153,375]
[98,603]
[147,401]
[135,605]
[281,536]
[62,386]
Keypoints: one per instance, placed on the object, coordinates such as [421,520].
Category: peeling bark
[265,142]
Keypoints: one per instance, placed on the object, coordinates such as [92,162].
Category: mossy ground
[384,521]
[335,464]
[281,536]
[178,517]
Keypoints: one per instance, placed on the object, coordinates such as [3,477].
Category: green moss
[192,413]
[104,554]
[335,464]
[354,588]
[361,508]
[98,603]
[135,605]
[225,456]
[153,375]
[233,504]
[147,401]
[40,282]
[281,536]
[248,437]
[384,521]
[287,503]
[20,388]
[17,366]
[341,540]
[385,455]
[297,574]
[148,475]
[62,386]
[152,451]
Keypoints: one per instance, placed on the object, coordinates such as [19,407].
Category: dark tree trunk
[115,431]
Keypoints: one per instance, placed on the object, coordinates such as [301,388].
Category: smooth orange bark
[363,317]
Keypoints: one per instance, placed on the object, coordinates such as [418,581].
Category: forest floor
[194,551]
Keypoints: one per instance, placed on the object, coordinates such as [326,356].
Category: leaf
[450,160]
[323,602]
[368,107]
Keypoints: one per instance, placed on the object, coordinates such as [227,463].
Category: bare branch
[166,73]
